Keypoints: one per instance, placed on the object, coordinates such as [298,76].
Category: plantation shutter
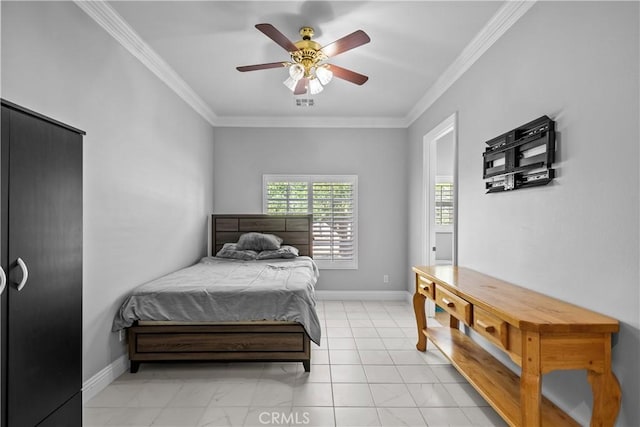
[444,203]
[285,197]
[332,199]
[333,221]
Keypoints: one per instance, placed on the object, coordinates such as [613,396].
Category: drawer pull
[488,328]
[448,303]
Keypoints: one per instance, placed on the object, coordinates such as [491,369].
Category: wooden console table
[539,333]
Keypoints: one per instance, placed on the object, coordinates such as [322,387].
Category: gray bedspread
[222,290]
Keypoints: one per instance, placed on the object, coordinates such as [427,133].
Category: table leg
[606,398]
[421,320]
[531,381]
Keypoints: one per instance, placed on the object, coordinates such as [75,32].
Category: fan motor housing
[309,52]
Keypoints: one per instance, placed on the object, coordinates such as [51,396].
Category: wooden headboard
[295,230]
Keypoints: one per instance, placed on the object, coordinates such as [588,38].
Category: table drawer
[491,327]
[453,304]
[426,287]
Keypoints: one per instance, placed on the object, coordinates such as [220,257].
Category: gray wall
[577,238]
[148,182]
[377,156]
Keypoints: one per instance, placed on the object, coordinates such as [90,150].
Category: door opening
[442,211]
[439,190]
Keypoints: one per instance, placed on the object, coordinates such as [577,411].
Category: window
[444,203]
[332,199]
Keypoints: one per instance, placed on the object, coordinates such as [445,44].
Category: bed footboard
[226,342]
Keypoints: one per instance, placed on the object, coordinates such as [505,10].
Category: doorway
[439,190]
[440,196]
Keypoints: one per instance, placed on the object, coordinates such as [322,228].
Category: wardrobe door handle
[3,280]
[25,273]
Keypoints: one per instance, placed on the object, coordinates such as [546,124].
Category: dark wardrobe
[41,255]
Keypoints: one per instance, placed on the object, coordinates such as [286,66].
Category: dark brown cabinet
[41,254]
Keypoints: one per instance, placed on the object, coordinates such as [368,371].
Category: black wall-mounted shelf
[521,157]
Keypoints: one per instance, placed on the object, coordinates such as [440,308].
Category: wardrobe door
[69,415]
[4,216]
[44,368]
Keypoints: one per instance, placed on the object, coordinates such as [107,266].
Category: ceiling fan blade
[353,40]
[348,75]
[262,66]
[275,35]
[301,87]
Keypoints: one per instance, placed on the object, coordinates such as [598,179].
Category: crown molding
[311,122]
[101,12]
[504,18]
[114,24]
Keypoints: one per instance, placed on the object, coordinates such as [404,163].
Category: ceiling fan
[307,69]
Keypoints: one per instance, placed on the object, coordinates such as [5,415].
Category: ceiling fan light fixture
[291,83]
[315,87]
[296,72]
[324,74]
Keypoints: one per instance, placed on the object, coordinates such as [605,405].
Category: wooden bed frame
[273,341]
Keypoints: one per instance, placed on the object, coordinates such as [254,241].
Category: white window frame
[310,179]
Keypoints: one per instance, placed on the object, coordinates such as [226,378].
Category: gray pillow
[283,252]
[230,250]
[259,242]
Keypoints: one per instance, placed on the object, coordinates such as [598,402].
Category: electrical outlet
[121,335]
[385,278]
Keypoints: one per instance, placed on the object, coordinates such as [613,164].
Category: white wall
[577,238]
[148,180]
[377,156]
[444,152]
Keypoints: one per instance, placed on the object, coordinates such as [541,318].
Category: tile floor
[367,372]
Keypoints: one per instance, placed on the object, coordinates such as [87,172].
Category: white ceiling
[412,45]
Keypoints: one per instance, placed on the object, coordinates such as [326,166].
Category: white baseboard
[102,379]
[364,295]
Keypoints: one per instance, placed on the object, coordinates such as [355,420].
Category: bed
[217,329]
